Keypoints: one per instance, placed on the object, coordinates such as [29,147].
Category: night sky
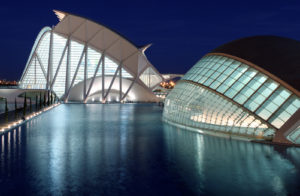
[181,31]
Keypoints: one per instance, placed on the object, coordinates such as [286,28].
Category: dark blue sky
[181,31]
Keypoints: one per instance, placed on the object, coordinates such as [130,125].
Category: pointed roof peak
[60,14]
[145,47]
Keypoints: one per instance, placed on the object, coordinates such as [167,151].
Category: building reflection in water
[114,149]
[215,165]
[80,149]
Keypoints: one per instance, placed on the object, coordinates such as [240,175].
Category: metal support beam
[75,74]
[34,70]
[112,81]
[93,79]
[103,77]
[59,64]
[120,83]
[41,65]
[129,88]
[85,73]
[67,84]
[49,70]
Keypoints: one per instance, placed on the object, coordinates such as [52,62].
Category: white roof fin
[60,15]
[144,48]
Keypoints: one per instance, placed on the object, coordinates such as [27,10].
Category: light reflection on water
[126,149]
[233,167]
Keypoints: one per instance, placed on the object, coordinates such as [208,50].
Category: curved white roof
[73,51]
[103,39]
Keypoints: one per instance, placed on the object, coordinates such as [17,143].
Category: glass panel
[191,105]
[150,77]
[259,97]
[273,103]
[34,78]
[250,88]
[285,111]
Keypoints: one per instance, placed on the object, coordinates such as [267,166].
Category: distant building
[248,88]
[84,61]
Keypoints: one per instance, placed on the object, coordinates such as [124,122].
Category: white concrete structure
[81,60]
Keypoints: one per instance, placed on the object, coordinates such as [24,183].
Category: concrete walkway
[15,118]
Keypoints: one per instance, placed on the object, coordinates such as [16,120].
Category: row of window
[246,86]
[194,106]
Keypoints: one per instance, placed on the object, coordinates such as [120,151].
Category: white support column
[67,84]
[59,64]
[120,83]
[41,65]
[129,88]
[103,77]
[85,72]
[93,79]
[35,70]
[75,74]
[49,70]
[112,81]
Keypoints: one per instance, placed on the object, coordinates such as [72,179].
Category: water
[125,149]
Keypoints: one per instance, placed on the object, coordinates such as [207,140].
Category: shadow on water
[125,149]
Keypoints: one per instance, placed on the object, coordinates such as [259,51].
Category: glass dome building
[248,88]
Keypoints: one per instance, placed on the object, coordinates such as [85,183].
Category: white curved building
[81,60]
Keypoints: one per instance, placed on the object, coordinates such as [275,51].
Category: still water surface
[126,149]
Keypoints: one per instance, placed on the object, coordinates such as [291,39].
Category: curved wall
[221,91]
[137,92]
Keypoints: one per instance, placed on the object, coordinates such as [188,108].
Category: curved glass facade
[75,54]
[35,75]
[224,94]
[201,108]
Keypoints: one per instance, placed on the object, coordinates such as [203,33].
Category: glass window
[260,96]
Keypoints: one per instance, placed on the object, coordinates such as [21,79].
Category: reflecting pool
[125,149]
